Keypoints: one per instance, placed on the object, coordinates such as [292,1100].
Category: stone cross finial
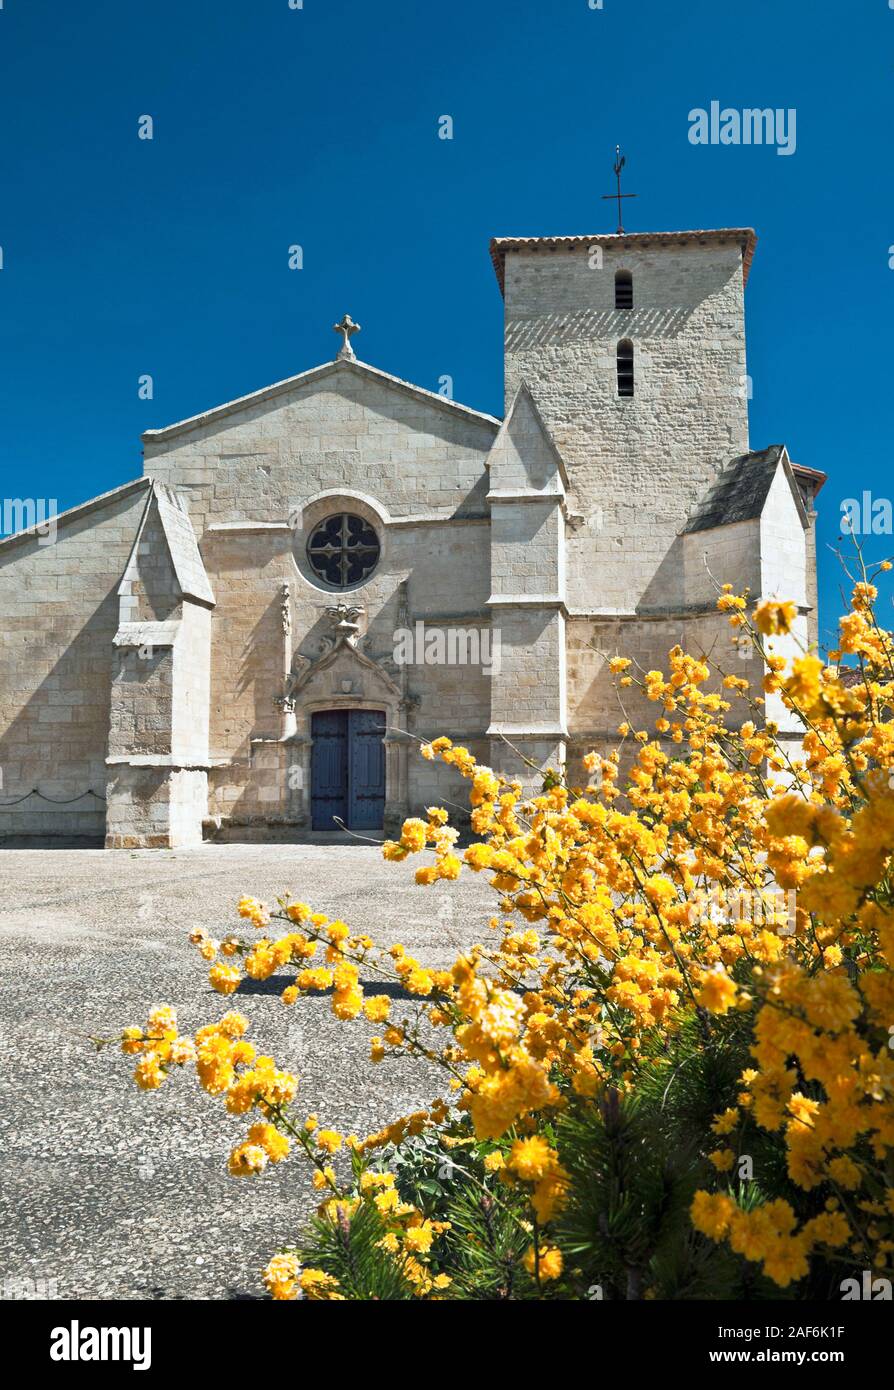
[347,328]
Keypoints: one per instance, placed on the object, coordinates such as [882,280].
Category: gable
[338,376]
[344,425]
[164,564]
[740,492]
[524,455]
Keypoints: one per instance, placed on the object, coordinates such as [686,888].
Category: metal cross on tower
[620,161]
[347,328]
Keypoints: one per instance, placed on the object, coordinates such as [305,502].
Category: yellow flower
[771,616]
[183,1050]
[419,1238]
[275,1145]
[549,1264]
[347,1003]
[247,1159]
[419,982]
[786,1262]
[233,1025]
[148,1074]
[803,685]
[224,978]
[281,1276]
[711,1214]
[718,992]
[317,1285]
[329,1140]
[844,1172]
[315,977]
[723,1159]
[132,1042]
[338,932]
[377,1008]
[532,1158]
[413,835]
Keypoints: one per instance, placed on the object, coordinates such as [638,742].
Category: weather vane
[620,161]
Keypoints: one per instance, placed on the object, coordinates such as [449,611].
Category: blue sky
[318,126]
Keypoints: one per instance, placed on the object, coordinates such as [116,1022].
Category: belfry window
[625,368]
[343,550]
[623,289]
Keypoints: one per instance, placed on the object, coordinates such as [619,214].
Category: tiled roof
[744,235]
[813,478]
[740,491]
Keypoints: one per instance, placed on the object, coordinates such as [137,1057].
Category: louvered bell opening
[623,290]
[625,369]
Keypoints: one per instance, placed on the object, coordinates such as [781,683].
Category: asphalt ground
[107,1192]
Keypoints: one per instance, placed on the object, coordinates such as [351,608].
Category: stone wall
[784,550]
[723,555]
[527,548]
[445,569]
[192,686]
[155,807]
[596,707]
[256,481]
[142,703]
[59,605]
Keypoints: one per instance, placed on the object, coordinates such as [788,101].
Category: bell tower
[633,347]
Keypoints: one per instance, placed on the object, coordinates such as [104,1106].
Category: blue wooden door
[366,770]
[329,768]
[347,769]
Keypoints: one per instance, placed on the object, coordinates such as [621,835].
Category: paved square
[109,1193]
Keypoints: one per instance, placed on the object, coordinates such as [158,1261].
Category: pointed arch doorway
[347,769]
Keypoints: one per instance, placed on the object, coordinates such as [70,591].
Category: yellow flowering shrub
[687,988]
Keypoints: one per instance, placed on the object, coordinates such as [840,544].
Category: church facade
[252,639]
